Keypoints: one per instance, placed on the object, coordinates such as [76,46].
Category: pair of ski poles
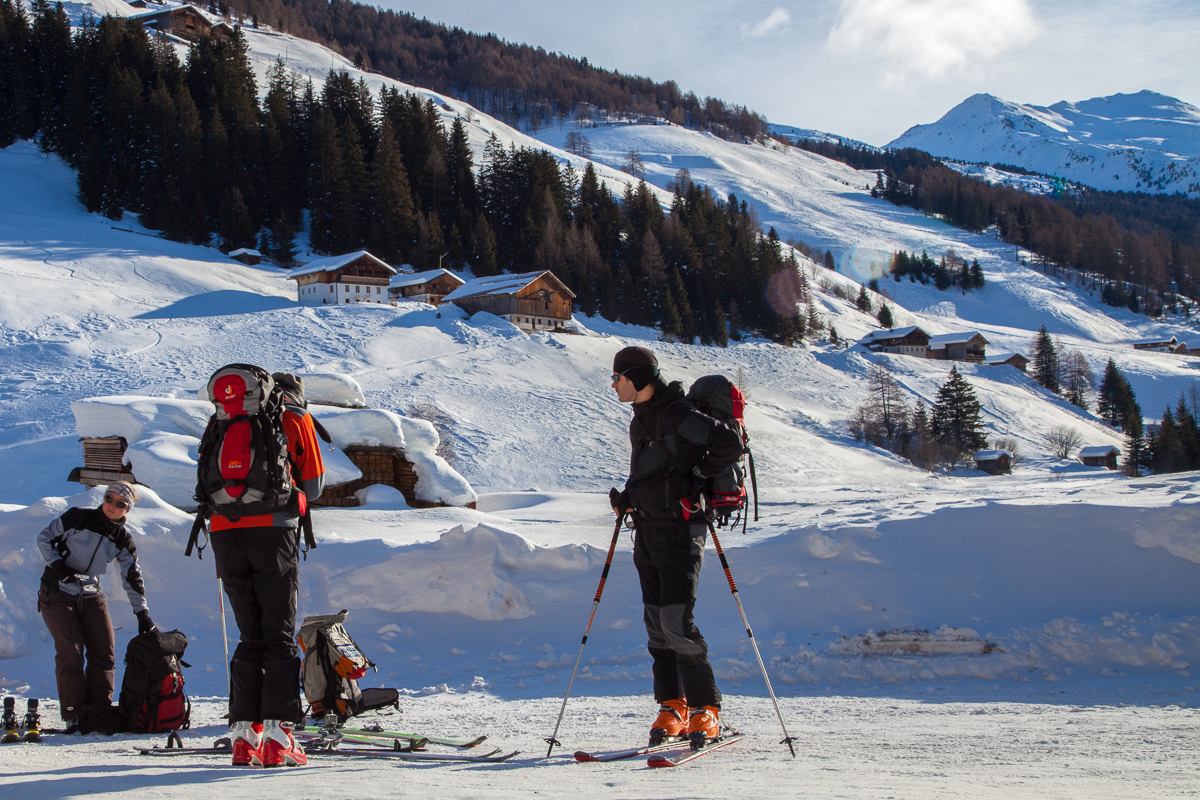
[553,740]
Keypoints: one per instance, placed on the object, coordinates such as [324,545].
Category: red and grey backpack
[719,398]
[243,467]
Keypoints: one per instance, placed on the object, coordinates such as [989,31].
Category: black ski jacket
[675,448]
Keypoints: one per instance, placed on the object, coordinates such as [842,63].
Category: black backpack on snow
[243,468]
[152,698]
[719,398]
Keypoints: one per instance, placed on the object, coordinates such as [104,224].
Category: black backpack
[152,698]
[719,398]
[243,467]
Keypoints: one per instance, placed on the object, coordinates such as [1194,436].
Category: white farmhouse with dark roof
[1159,344]
[910,341]
[357,277]
[532,301]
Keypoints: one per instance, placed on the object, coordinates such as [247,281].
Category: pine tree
[863,301]
[885,316]
[1135,443]
[392,232]
[1115,398]
[957,421]
[1045,361]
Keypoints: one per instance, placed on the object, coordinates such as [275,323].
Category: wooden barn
[1158,344]
[103,463]
[185,22]
[357,277]
[966,346]
[1012,359]
[1102,456]
[994,462]
[430,287]
[532,301]
[911,341]
[246,256]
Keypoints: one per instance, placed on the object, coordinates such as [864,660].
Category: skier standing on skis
[258,557]
[674,449]
[78,547]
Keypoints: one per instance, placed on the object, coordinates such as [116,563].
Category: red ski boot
[247,744]
[278,747]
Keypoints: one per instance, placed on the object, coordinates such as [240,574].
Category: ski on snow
[633,752]
[495,756]
[379,732]
[321,739]
[220,747]
[689,755]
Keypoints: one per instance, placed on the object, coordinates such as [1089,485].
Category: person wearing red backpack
[258,557]
[78,547]
[675,449]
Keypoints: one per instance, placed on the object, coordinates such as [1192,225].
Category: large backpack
[243,468]
[721,399]
[331,669]
[152,698]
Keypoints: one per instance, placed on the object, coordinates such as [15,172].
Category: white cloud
[930,38]
[777,21]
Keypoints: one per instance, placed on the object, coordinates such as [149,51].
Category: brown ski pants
[82,632]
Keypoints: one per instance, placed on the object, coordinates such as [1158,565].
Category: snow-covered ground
[927,634]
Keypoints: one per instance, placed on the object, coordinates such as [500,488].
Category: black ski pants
[261,570]
[81,629]
[668,555]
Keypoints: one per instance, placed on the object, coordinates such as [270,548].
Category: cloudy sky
[866,69]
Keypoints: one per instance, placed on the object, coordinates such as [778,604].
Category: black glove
[58,572]
[618,500]
[145,624]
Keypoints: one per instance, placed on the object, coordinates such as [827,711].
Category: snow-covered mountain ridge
[1143,142]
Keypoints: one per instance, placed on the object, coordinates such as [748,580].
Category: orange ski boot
[670,721]
[704,725]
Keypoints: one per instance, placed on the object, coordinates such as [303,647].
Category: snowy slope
[1144,142]
[1075,580]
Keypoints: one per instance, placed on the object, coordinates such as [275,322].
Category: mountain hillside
[1144,142]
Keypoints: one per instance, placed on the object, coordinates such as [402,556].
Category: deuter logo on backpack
[721,399]
[243,468]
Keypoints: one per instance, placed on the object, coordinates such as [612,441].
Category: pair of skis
[369,743]
[28,730]
[660,753]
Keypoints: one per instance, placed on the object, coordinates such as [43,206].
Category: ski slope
[1080,583]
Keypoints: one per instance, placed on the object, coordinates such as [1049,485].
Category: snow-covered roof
[991,455]
[940,341]
[160,11]
[890,333]
[334,263]
[1156,340]
[1000,358]
[1099,451]
[244,251]
[417,278]
[496,285]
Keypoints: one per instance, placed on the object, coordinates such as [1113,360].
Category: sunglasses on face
[113,501]
[616,376]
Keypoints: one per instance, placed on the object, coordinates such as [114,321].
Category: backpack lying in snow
[152,698]
[719,398]
[331,669]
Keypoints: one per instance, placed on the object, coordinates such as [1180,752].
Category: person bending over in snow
[78,547]
[675,448]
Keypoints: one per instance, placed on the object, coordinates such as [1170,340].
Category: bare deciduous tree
[1063,441]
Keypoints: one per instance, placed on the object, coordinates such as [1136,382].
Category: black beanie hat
[637,364]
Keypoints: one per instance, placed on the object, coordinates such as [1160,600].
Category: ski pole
[224,631]
[595,604]
[733,587]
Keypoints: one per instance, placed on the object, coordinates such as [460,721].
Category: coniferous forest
[1145,248]
[192,150]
